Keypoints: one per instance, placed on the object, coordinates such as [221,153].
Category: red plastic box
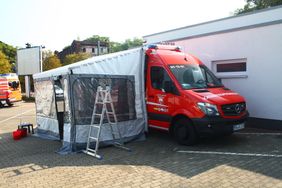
[20,133]
[17,135]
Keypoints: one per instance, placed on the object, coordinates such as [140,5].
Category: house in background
[85,46]
[245,51]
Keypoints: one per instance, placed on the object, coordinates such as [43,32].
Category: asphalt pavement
[245,159]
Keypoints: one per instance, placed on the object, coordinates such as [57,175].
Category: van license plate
[238,127]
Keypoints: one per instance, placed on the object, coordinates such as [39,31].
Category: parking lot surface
[244,159]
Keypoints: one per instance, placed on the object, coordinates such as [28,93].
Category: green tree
[51,62]
[96,38]
[46,54]
[73,58]
[252,5]
[127,44]
[10,53]
[5,66]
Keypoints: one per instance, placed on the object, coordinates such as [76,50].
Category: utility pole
[98,45]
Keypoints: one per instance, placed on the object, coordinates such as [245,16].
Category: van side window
[158,77]
[14,84]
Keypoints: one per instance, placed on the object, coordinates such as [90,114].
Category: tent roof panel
[66,69]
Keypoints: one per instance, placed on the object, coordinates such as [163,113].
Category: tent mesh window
[45,99]
[84,93]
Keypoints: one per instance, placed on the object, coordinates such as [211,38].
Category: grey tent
[65,98]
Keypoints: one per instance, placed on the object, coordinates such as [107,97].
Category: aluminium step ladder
[103,106]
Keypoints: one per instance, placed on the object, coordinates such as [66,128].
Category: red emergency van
[10,89]
[185,98]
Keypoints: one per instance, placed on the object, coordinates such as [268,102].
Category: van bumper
[217,125]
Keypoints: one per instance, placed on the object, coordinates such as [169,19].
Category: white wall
[262,47]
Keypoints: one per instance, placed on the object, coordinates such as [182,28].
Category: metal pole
[98,47]
[27,86]
[40,59]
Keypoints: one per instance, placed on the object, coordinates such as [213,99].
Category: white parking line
[231,153]
[261,134]
[15,116]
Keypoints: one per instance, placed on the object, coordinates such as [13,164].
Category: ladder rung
[93,138]
[112,123]
[110,113]
[96,126]
[92,150]
[97,114]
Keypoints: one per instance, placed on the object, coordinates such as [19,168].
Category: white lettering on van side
[219,95]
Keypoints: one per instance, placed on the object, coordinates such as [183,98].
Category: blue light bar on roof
[152,46]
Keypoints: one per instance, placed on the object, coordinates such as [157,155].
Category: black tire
[184,132]
[227,134]
[9,103]
[1,105]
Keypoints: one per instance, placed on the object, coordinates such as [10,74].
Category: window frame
[229,74]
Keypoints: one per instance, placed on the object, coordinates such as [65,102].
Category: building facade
[86,46]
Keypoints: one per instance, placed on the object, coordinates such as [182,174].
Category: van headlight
[208,109]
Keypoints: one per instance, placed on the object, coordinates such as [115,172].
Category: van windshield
[194,76]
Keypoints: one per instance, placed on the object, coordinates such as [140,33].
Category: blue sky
[56,23]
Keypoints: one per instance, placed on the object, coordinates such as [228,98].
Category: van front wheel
[184,132]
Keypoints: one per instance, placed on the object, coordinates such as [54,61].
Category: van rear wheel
[9,103]
[184,132]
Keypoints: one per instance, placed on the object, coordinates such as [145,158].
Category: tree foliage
[5,66]
[73,58]
[96,38]
[127,44]
[252,5]
[46,54]
[51,62]
[10,53]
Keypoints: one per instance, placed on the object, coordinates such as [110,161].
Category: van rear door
[3,89]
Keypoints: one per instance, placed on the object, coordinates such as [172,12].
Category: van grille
[233,109]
